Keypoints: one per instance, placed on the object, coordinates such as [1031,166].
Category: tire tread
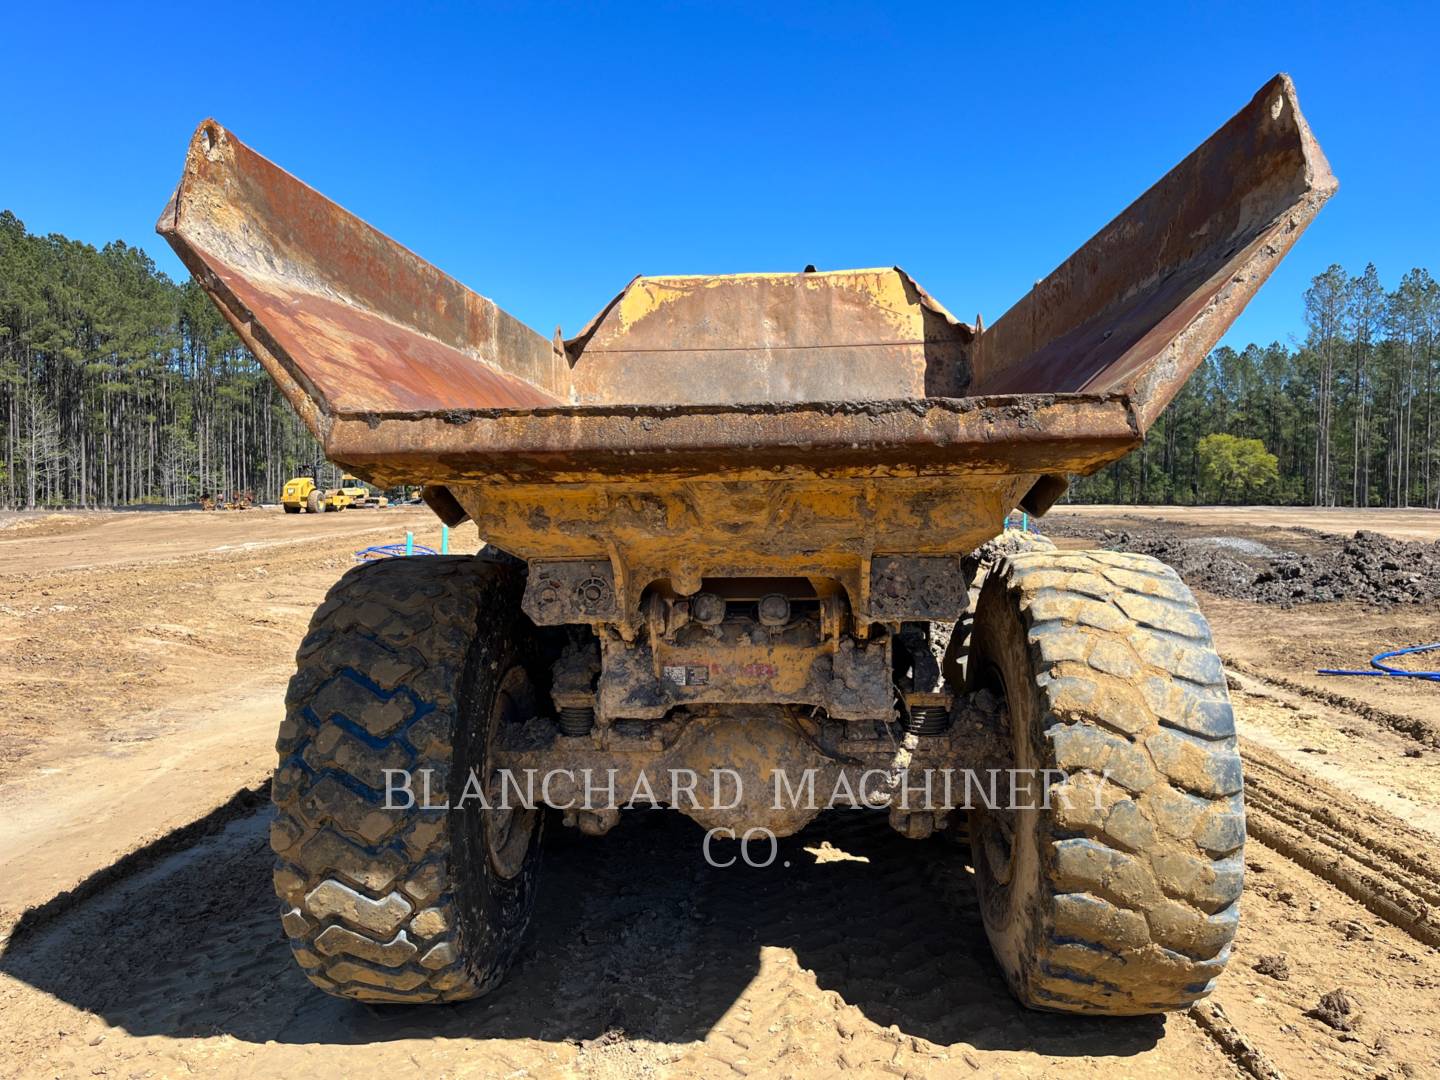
[364,890]
[1142,875]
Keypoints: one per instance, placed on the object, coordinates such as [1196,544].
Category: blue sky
[544,155]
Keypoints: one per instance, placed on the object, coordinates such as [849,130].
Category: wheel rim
[507,832]
[1003,856]
[995,828]
[997,840]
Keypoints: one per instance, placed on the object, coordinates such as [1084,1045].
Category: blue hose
[391,551]
[1379,667]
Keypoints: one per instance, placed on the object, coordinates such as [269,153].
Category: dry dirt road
[1413,524]
[141,689]
[143,659]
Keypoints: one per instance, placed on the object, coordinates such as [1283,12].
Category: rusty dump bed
[792,411]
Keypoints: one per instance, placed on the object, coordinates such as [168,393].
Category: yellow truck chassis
[732,522]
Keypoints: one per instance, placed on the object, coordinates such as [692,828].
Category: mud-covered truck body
[729,525]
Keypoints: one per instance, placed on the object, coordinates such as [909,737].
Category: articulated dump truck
[728,525]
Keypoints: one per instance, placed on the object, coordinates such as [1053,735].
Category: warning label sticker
[682,675]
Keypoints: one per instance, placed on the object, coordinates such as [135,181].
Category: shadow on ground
[632,933]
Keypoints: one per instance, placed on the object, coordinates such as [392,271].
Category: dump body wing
[786,424]
[406,375]
[1139,306]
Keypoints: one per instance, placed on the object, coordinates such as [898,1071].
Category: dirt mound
[1276,965]
[1338,1009]
[1367,567]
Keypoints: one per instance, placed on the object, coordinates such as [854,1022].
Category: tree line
[119,386]
[1350,415]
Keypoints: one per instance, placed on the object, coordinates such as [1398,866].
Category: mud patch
[1276,965]
[1338,1010]
[1368,567]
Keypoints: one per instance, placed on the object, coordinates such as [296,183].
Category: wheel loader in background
[726,522]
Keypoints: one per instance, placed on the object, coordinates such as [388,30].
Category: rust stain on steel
[839,335]
[406,376]
[343,312]
[1001,436]
[679,531]
[355,353]
[1139,306]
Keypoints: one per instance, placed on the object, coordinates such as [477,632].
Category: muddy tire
[1122,897]
[976,566]
[409,664]
[314,504]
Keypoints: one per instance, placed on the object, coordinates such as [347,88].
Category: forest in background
[119,386]
[1349,413]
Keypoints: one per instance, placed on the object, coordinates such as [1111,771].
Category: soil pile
[1367,567]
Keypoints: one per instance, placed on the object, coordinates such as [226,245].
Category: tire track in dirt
[865,953]
[1414,727]
[857,949]
[244,802]
[1210,1018]
[1367,853]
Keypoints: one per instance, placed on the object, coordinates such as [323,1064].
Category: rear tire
[409,664]
[291,509]
[1121,897]
[313,503]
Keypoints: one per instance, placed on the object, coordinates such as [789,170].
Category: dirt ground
[1290,643]
[1410,524]
[146,653]
[142,665]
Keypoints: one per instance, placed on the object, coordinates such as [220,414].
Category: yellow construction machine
[731,525]
[302,493]
[360,495]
